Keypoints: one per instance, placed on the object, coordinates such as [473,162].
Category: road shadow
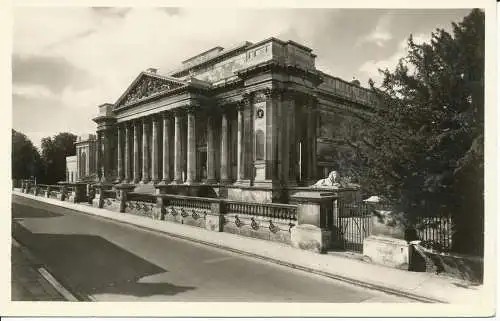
[20,211]
[89,264]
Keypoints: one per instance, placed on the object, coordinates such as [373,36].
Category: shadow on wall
[91,265]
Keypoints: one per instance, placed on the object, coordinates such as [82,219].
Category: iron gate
[354,223]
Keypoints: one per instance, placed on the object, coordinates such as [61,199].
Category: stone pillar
[166,148]
[315,211]
[107,154]
[177,150]
[224,154]
[241,145]
[137,173]
[211,150]
[292,141]
[191,147]
[311,145]
[313,141]
[119,129]
[127,153]
[285,146]
[154,151]
[145,151]
[99,156]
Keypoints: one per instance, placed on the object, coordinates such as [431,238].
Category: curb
[337,277]
[45,273]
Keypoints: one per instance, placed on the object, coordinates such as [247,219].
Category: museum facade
[249,121]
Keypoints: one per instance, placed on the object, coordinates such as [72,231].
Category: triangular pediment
[147,85]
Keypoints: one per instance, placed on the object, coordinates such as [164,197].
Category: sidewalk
[424,287]
[28,283]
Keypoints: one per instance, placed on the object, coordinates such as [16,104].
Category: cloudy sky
[67,61]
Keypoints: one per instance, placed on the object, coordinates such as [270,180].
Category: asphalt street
[109,261]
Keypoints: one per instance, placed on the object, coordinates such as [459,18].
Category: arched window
[259,144]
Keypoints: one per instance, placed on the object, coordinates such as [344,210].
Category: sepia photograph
[222,155]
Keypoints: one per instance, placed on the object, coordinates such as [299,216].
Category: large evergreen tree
[423,149]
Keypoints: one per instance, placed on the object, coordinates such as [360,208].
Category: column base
[226,181]
[211,181]
[242,182]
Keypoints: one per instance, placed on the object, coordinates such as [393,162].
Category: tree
[26,161]
[54,153]
[423,149]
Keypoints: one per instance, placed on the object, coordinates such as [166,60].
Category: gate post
[314,214]
[122,191]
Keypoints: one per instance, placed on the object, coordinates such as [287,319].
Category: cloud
[54,73]
[33,91]
[370,69]
[380,35]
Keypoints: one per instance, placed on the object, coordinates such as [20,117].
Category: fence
[435,232]
[354,224]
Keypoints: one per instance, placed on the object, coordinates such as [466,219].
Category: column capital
[275,93]
[166,114]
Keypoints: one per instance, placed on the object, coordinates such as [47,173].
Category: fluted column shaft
[210,151]
[166,148]
[127,153]
[224,168]
[137,172]
[241,146]
[145,151]
[119,129]
[177,150]
[98,156]
[107,155]
[154,151]
[191,147]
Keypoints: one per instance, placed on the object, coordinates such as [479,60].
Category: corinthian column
[224,168]
[177,150]
[191,147]
[119,142]
[210,151]
[98,155]
[154,151]
[145,151]
[241,145]
[137,172]
[166,148]
[127,153]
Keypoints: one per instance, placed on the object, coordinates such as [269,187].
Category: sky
[67,61]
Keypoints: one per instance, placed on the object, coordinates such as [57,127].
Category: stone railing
[268,221]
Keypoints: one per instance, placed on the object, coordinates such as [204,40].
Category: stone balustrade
[269,221]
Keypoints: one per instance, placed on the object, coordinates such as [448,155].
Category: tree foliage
[423,148]
[54,152]
[26,161]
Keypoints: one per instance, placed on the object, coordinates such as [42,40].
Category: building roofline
[281,42]
[203,53]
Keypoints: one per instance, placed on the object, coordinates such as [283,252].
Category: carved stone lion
[333,180]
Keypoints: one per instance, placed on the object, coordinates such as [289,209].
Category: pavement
[412,286]
[29,279]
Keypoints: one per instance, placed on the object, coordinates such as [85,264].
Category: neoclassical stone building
[250,122]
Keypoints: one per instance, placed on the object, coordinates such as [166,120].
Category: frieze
[148,86]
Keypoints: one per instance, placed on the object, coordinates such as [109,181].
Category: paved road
[109,261]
